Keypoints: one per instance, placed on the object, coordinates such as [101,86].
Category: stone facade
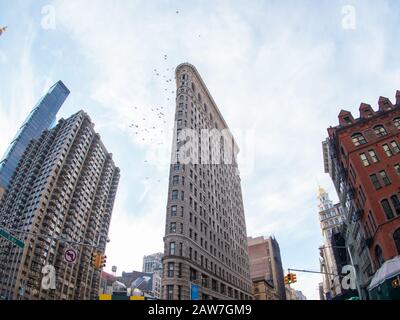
[205,236]
[264,290]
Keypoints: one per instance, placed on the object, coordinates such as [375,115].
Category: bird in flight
[2,30]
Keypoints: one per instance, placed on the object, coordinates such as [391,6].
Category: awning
[389,269]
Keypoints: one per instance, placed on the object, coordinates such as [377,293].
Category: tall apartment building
[266,268]
[363,159]
[63,189]
[331,220]
[205,243]
[42,117]
[152,263]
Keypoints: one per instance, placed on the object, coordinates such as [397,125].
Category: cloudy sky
[280,71]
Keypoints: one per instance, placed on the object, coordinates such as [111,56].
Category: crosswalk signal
[96,260]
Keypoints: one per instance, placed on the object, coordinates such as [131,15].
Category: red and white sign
[70,255]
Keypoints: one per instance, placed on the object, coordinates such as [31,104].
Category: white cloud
[281,72]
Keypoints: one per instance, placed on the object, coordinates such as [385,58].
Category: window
[179,123]
[380,131]
[397,168]
[384,177]
[387,209]
[172,227]
[358,139]
[175,180]
[387,150]
[176,167]
[364,159]
[171,267]
[373,156]
[173,211]
[397,123]
[372,220]
[375,181]
[396,203]
[174,194]
[180,270]
[170,292]
[379,256]
[396,238]
[347,120]
[395,147]
[172,248]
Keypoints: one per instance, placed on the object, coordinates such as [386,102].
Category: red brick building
[366,152]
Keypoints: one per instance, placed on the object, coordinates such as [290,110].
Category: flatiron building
[205,243]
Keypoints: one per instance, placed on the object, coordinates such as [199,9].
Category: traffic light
[286,280]
[102,261]
[290,278]
[96,260]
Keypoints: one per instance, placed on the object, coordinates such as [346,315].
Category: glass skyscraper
[42,117]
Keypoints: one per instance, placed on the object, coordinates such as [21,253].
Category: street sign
[12,239]
[70,255]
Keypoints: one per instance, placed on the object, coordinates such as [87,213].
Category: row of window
[371,156]
[376,182]
[380,131]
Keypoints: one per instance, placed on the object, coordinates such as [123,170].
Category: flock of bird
[155,125]
[152,127]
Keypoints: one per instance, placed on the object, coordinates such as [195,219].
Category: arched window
[193,87]
[199,97]
[387,208]
[380,130]
[205,107]
[397,123]
[358,139]
[379,256]
[396,238]
[396,203]
[181,98]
